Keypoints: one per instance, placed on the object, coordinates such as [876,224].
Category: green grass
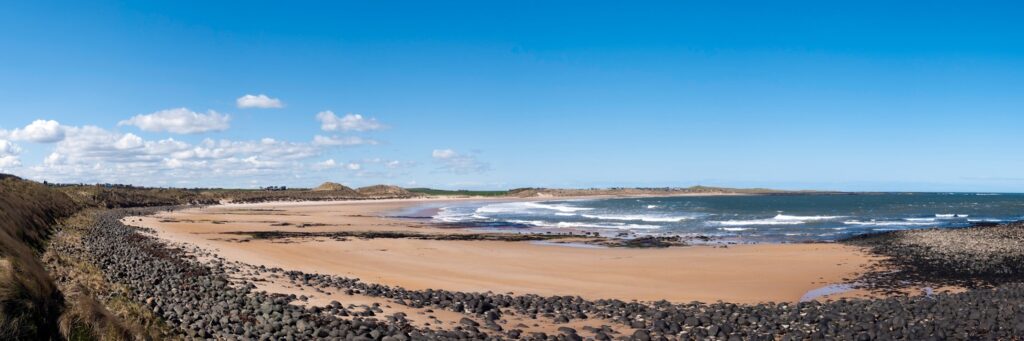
[432,191]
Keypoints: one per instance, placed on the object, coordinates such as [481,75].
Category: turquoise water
[790,218]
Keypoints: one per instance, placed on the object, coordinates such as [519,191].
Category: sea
[753,218]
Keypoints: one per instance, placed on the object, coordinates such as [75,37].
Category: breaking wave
[524,207]
[569,224]
[780,219]
[734,229]
[635,217]
[889,223]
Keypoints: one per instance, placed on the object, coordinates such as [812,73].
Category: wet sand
[738,274]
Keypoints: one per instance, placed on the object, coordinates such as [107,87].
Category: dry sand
[739,273]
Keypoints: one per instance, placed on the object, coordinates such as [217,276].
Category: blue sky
[857,96]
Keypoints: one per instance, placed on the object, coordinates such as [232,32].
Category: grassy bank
[47,290]
[30,303]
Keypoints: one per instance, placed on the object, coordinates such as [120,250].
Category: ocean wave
[651,207]
[616,226]
[889,223]
[757,222]
[734,229]
[807,218]
[448,215]
[583,225]
[920,219]
[524,207]
[780,219]
[640,217]
[951,216]
[528,222]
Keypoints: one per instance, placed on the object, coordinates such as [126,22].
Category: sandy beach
[738,273]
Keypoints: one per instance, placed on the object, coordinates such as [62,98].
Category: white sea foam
[951,216]
[651,207]
[634,217]
[780,219]
[528,222]
[449,215]
[733,229]
[558,207]
[526,207]
[888,223]
[920,219]
[570,224]
[807,218]
[757,222]
[617,226]
[565,214]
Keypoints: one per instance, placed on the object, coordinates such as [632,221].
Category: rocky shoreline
[977,256]
[199,299]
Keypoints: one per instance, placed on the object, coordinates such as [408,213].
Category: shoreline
[151,268]
[749,273]
[165,289]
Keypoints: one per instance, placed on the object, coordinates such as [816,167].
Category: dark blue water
[753,218]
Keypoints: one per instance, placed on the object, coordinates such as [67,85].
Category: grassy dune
[30,303]
[58,298]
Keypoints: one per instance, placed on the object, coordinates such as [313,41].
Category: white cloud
[350,122]
[180,121]
[378,168]
[344,141]
[9,161]
[258,101]
[41,131]
[459,163]
[443,153]
[325,164]
[128,141]
[9,155]
[9,148]
[173,163]
[92,154]
[54,159]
